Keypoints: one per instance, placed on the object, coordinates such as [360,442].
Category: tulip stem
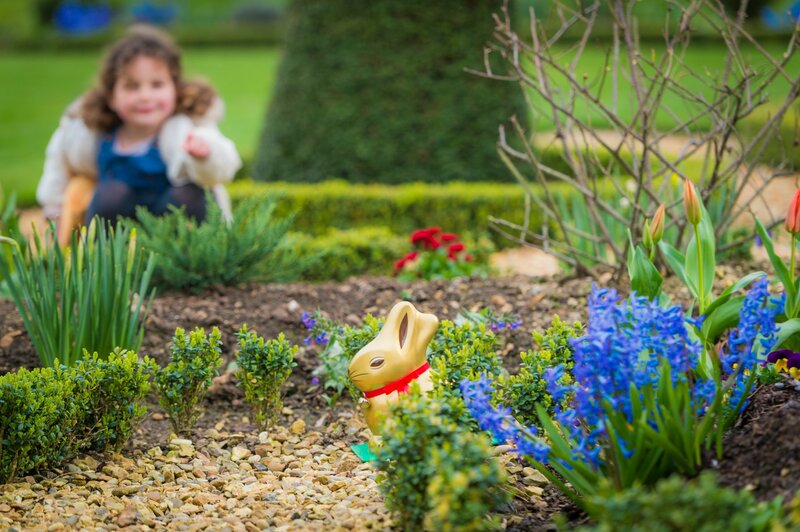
[701,296]
[792,259]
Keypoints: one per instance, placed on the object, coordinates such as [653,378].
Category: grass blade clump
[264,366]
[94,295]
[183,383]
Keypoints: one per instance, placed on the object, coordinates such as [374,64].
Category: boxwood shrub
[48,415]
[458,207]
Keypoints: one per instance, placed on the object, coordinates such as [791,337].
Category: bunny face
[397,350]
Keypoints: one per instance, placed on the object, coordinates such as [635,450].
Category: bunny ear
[403,332]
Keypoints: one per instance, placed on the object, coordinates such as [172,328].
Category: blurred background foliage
[52,54]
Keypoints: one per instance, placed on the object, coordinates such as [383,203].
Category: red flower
[426,238]
[792,223]
[468,257]
[456,247]
[420,235]
[448,237]
[400,264]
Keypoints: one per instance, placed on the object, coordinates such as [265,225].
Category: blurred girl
[143,136]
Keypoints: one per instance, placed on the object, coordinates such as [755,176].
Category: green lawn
[38,86]
[705,60]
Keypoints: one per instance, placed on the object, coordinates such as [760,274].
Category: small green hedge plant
[264,366]
[110,392]
[528,388]
[674,503]
[49,415]
[92,296]
[435,473]
[191,256]
[459,352]
[37,423]
[183,383]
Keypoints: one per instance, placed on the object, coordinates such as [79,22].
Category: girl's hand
[196,146]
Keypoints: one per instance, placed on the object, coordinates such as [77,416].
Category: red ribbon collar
[400,385]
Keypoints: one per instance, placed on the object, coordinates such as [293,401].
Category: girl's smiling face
[144,94]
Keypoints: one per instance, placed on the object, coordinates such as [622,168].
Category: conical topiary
[375,91]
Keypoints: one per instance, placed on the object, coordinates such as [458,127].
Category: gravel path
[287,480]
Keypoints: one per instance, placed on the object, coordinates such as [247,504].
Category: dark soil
[762,452]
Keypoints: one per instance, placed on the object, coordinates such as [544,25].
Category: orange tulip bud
[793,216]
[691,202]
[657,226]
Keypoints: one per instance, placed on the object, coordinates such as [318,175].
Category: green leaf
[785,331]
[721,319]
[738,285]
[676,260]
[645,278]
[780,268]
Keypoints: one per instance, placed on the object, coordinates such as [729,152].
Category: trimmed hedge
[377,92]
[462,208]
[339,254]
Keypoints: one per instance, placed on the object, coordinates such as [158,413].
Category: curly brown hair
[193,97]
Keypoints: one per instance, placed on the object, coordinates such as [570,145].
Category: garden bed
[303,474]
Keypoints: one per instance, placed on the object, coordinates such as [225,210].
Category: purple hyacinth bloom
[756,318]
[498,420]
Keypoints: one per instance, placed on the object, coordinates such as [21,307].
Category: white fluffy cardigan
[72,150]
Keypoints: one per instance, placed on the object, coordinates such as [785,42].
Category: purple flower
[777,355]
[756,318]
[515,325]
[314,381]
[792,358]
[759,243]
[308,321]
[498,420]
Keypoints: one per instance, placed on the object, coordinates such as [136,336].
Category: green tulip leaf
[676,261]
[781,270]
[732,289]
[786,330]
[722,318]
[645,278]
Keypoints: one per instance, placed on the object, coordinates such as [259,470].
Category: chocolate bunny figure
[384,368]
